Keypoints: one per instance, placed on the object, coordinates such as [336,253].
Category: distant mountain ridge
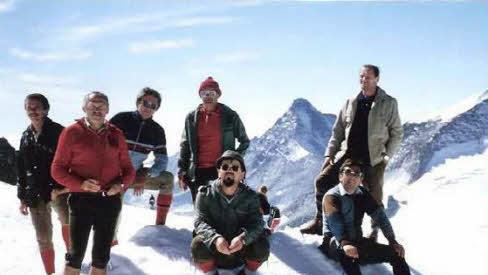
[430,143]
[287,158]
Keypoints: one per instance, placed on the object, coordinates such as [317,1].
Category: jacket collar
[45,126]
[380,94]
[216,188]
[138,116]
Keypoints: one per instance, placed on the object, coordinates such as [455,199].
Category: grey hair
[92,95]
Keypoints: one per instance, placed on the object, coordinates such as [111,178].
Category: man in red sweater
[210,129]
[92,160]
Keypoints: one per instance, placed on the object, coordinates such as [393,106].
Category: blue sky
[263,53]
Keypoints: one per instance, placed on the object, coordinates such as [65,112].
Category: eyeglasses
[149,104]
[226,167]
[351,173]
[210,93]
[98,108]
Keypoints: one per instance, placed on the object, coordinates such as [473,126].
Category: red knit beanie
[210,84]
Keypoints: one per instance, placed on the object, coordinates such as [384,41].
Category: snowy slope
[149,249]
[444,224]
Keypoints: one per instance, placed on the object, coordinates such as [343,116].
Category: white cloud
[201,20]
[237,57]
[155,46]
[50,56]
[37,79]
[142,23]
[6,5]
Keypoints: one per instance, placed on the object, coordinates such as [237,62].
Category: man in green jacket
[367,128]
[229,230]
[209,130]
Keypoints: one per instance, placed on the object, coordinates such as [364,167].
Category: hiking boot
[314,227]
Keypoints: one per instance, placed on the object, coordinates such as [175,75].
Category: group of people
[83,170]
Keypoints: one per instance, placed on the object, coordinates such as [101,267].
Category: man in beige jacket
[368,129]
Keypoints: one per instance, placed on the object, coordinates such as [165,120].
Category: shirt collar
[88,125]
[361,96]
[202,110]
[343,192]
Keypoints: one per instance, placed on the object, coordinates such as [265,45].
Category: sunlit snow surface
[442,220]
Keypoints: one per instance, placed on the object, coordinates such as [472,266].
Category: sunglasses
[226,167]
[149,104]
[351,173]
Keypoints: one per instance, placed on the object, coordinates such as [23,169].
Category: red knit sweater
[84,154]
[209,137]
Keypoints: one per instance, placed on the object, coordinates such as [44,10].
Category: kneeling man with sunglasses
[344,207]
[229,232]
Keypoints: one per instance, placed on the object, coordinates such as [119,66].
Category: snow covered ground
[444,224]
[149,249]
[442,220]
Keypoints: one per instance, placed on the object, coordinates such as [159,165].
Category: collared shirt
[89,125]
[343,191]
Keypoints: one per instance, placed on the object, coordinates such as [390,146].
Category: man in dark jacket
[229,226]
[344,207]
[37,190]
[209,130]
[143,136]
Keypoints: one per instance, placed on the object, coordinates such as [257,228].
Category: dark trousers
[329,177]
[202,177]
[256,251]
[89,211]
[371,252]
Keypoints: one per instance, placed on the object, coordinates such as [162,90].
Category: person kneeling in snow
[229,228]
[271,214]
[344,207]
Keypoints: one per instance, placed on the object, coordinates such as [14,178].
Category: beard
[228,181]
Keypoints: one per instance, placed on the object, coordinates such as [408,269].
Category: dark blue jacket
[344,214]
